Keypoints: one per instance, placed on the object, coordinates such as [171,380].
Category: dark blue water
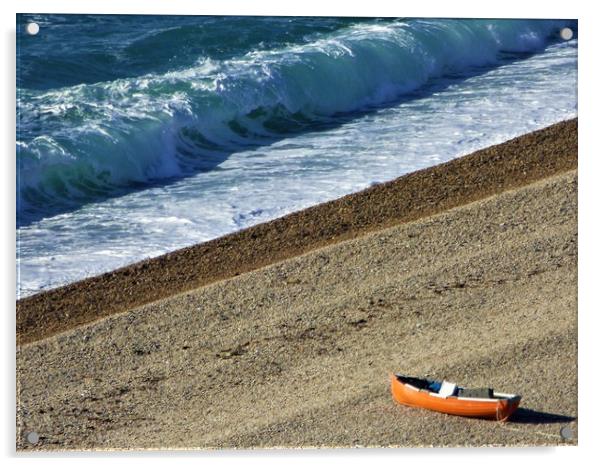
[84,49]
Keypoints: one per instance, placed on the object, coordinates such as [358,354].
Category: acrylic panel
[259,232]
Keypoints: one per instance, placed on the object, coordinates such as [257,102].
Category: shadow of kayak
[530,416]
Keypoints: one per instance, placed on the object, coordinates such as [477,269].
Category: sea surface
[138,135]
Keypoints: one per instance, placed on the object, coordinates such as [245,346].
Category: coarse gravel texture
[298,353]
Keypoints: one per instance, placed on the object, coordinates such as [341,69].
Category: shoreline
[493,170]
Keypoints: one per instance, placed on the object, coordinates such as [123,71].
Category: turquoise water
[139,135]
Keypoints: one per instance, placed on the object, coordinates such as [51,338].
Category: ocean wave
[88,141]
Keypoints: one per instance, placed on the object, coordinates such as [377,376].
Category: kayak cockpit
[445,389]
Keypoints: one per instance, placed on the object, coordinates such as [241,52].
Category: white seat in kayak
[447,388]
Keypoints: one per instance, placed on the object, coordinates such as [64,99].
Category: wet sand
[426,192]
[297,353]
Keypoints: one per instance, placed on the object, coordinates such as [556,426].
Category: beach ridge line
[486,172]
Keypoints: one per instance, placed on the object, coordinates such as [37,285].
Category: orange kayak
[449,399]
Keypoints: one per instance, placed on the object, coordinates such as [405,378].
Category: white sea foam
[453,117]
